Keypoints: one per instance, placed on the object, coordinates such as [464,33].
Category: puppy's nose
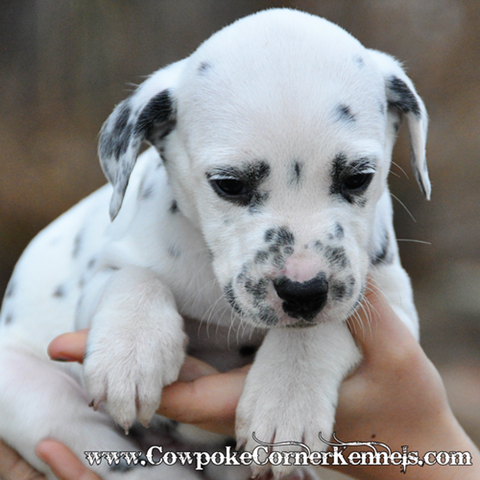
[302,299]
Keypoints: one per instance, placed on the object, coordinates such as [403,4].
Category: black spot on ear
[247,350]
[401,97]
[204,67]
[344,113]
[116,142]
[157,119]
[173,208]
[59,291]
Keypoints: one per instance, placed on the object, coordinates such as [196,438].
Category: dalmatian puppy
[251,222]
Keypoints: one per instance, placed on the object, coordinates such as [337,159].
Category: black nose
[303,300]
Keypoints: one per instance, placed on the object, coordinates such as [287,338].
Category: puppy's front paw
[126,370]
[287,413]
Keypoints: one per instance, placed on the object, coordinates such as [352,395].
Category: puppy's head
[277,136]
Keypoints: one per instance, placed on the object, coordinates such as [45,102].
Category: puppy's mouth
[282,302]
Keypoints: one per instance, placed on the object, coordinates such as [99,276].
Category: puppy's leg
[136,343]
[291,390]
[39,400]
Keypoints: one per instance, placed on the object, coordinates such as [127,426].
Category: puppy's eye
[230,187]
[357,182]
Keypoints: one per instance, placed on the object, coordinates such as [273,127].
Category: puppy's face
[277,135]
[288,159]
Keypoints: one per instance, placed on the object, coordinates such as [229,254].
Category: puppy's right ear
[149,114]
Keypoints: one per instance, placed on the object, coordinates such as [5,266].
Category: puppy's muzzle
[303,300]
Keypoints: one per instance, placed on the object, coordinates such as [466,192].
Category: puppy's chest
[223,346]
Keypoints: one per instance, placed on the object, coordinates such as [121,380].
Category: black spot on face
[336,256]
[342,290]
[241,185]
[383,255]
[261,257]
[267,316]
[280,236]
[350,180]
[174,208]
[401,98]
[230,296]
[258,290]
[59,291]
[339,232]
[296,173]
[344,113]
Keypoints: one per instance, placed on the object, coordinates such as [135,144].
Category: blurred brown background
[65,64]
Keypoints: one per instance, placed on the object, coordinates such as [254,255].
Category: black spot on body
[8,318]
[401,97]
[77,244]
[359,61]
[91,263]
[204,67]
[173,252]
[344,113]
[10,289]
[339,232]
[60,291]
[174,208]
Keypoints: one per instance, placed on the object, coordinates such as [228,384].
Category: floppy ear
[149,114]
[403,101]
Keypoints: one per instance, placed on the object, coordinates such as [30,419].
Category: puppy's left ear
[149,114]
[403,101]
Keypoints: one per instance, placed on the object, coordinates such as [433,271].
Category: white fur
[280,87]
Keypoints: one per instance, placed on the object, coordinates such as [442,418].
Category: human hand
[396,396]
